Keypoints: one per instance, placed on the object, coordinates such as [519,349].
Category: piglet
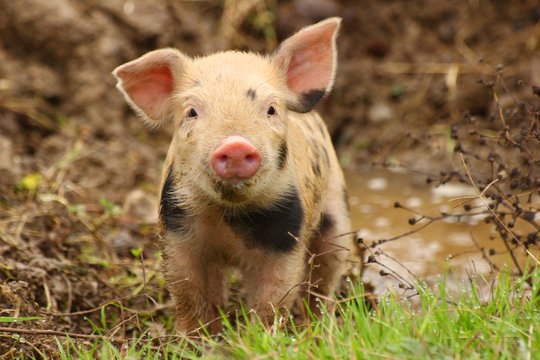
[251,180]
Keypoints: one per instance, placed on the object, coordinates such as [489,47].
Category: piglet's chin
[233,190]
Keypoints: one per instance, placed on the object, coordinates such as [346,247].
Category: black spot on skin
[309,100]
[171,215]
[346,199]
[325,157]
[327,222]
[270,228]
[316,168]
[282,155]
[251,93]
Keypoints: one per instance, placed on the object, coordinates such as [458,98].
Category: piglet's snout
[236,159]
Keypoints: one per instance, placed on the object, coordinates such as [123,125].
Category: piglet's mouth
[235,183]
[233,191]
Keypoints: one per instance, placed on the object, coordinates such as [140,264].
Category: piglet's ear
[309,60]
[149,82]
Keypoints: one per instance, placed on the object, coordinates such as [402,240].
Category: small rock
[124,242]
[380,112]
[141,206]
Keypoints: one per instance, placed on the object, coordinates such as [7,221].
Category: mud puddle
[450,245]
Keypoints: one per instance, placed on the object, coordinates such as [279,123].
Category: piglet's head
[232,109]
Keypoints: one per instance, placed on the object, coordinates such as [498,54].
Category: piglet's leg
[196,292]
[273,283]
[331,249]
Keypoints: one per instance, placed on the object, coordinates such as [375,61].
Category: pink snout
[236,159]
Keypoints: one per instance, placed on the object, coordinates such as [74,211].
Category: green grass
[441,325]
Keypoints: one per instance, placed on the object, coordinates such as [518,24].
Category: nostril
[223,158]
[250,158]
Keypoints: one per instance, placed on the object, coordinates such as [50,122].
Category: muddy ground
[79,172]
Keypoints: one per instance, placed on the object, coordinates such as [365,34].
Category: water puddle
[446,244]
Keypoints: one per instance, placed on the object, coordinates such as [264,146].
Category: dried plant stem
[481,197]
[61,333]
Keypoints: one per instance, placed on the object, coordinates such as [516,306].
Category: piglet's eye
[271,111]
[192,113]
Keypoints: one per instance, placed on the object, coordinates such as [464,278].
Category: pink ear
[309,61]
[149,81]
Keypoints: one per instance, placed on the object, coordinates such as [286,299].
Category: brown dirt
[80,172]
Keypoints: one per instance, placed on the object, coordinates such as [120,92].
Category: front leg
[273,282]
[331,247]
[196,292]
